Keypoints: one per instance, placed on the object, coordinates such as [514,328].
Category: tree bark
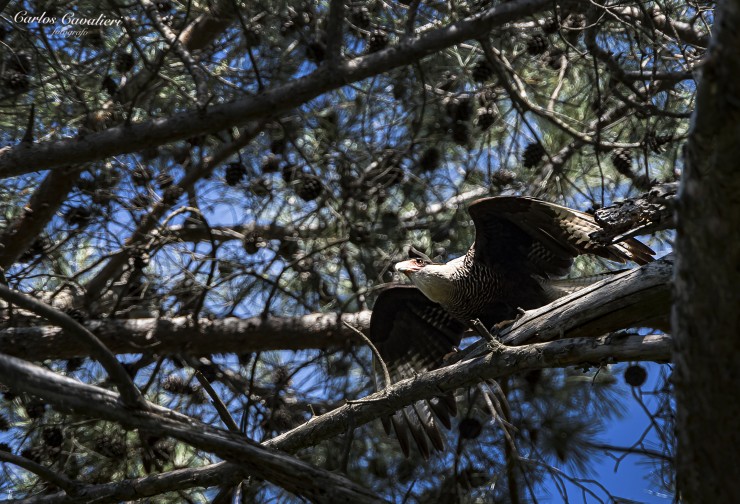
[706,320]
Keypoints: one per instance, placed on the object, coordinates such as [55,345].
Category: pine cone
[533,154]
[502,178]
[430,159]
[537,44]
[622,161]
[377,42]
[16,81]
[111,447]
[635,375]
[550,26]
[309,187]
[235,172]
[486,117]
[482,71]
[124,62]
[460,109]
[176,385]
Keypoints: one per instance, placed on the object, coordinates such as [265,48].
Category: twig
[223,411]
[376,353]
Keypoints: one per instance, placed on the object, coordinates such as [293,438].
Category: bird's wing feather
[412,335]
[541,237]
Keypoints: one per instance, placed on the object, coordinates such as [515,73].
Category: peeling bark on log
[651,212]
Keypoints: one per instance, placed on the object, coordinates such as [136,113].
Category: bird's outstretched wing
[519,232]
[412,335]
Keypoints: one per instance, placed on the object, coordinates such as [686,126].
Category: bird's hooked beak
[409,267]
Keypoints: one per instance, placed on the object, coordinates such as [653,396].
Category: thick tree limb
[41,207]
[502,362]
[181,336]
[640,297]
[283,470]
[129,138]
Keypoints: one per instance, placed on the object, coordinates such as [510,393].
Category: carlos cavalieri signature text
[23,17]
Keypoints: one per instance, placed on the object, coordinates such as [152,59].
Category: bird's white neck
[436,281]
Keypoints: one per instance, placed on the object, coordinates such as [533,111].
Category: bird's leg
[499,326]
[493,341]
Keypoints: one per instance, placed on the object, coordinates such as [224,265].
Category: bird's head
[434,280]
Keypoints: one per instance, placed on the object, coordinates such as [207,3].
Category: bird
[522,246]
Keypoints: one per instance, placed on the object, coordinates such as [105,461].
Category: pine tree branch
[179,335]
[283,470]
[147,486]
[137,136]
[17,237]
[506,360]
[646,214]
[142,234]
[70,487]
